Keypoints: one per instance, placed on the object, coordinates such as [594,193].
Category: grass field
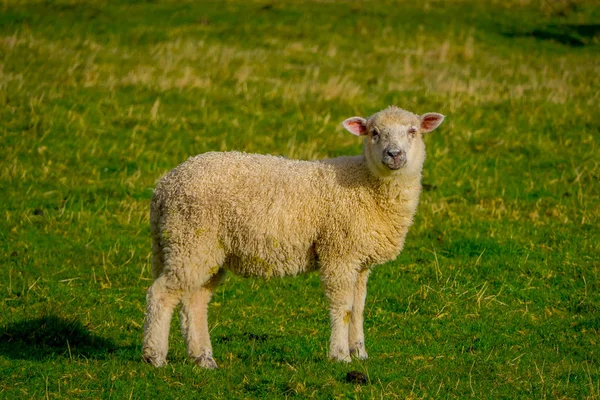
[496,294]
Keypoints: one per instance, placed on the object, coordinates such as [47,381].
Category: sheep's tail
[156,210]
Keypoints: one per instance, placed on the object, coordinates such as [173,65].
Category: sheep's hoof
[359,353]
[205,361]
[339,355]
[155,360]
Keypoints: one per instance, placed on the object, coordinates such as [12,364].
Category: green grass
[497,292]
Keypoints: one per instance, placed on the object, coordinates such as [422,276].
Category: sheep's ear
[430,121]
[356,126]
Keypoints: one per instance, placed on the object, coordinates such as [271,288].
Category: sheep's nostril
[393,153]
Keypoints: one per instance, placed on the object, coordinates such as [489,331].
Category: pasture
[497,292]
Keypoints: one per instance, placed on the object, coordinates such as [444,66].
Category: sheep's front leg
[194,322]
[339,289]
[159,309]
[356,337]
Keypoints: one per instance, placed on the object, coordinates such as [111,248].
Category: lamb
[267,216]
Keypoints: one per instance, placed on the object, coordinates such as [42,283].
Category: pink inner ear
[356,126]
[431,121]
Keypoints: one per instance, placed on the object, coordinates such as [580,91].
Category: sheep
[266,216]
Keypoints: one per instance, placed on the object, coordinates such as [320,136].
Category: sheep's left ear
[356,126]
[430,121]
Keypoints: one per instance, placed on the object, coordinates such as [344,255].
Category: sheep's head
[393,139]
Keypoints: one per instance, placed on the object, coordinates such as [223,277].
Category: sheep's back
[275,216]
[266,211]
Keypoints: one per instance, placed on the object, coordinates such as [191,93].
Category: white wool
[258,215]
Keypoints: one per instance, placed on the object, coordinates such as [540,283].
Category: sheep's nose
[394,153]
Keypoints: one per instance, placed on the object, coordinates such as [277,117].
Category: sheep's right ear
[356,126]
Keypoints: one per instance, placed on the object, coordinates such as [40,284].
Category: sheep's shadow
[52,336]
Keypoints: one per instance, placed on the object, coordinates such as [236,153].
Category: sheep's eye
[412,131]
[375,134]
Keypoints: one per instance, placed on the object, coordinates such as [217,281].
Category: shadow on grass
[52,336]
[572,35]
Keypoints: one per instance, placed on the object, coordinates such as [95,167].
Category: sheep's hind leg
[194,322]
[161,301]
[356,337]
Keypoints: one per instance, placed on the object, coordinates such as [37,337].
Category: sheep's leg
[194,322]
[356,336]
[159,309]
[339,289]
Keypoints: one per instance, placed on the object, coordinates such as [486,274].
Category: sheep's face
[393,139]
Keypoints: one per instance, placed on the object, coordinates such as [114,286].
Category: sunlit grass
[496,293]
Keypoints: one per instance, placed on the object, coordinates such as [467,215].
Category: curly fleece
[259,215]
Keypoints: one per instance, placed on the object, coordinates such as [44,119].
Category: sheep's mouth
[394,164]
